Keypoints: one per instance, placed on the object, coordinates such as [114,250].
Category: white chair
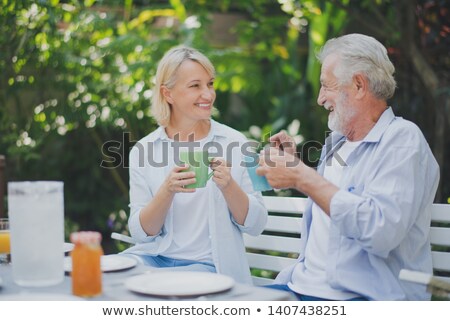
[278,246]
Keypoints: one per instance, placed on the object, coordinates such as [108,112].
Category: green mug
[198,162]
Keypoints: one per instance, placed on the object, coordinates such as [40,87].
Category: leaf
[179,9]
[89,3]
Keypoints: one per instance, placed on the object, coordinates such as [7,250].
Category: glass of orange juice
[5,246]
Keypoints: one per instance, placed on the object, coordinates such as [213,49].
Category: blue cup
[259,183]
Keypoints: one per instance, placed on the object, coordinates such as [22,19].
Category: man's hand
[284,170]
[284,142]
[281,168]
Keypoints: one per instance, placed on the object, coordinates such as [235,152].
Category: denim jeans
[160,261]
[302,297]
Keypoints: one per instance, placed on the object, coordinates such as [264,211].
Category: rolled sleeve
[256,219]
[138,233]
[342,209]
[380,215]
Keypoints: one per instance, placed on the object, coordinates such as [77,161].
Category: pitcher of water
[36,213]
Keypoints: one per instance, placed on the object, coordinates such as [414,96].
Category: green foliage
[76,74]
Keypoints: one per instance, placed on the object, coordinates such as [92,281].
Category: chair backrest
[278,246]
[440,240]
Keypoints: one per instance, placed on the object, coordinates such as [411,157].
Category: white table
[114,289]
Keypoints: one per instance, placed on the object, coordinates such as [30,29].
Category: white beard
[340,117]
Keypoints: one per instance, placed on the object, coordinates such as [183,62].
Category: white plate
[40,297]
[179,283]
[109,263]
[68,247]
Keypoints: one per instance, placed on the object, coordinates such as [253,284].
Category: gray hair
[166,76]
[359,53]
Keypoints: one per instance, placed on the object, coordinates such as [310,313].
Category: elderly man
[368,214]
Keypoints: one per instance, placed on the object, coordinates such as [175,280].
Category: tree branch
[372,26]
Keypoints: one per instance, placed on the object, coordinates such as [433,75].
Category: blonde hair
[362,54]
[166,76]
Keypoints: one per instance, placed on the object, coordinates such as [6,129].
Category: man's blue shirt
[380,217]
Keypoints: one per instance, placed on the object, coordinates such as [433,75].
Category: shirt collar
[216,130]
[374,134]
[380,127]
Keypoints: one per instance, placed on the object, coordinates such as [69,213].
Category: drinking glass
[5,247]
[36,213]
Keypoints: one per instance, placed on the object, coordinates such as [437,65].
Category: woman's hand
[222,173]
[237,200]
[153,215]
[177,180]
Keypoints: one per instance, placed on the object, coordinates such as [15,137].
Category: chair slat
[260,281]
[283,224]
[272,243]
[440,236]
[444,278]
[268,262]
[277,204]
[440,213]
[441,260]
[295,205]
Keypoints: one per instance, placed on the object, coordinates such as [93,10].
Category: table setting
[38,264]
[124,280]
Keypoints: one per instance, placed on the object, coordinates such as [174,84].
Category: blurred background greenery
[76,74]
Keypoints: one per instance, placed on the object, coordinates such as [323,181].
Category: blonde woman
[184,228]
